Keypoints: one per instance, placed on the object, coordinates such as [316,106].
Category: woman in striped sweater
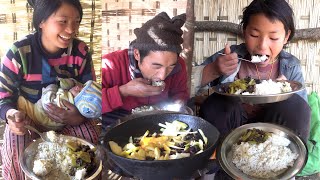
[35,62]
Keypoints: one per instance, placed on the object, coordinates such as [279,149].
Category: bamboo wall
[121,17]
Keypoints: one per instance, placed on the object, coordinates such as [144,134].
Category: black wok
[161,169]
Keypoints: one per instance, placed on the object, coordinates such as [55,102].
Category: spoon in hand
[238,57]
[257,59]
[44,135]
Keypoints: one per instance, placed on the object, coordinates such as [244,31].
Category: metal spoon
[238,58]
[42,135]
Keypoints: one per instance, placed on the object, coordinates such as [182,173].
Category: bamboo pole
[188,39]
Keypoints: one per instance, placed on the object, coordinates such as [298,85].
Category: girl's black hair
[45,8]
[274,10]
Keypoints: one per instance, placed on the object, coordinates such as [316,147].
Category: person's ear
[136,54]
[243,33]
[40,25]
[287,37]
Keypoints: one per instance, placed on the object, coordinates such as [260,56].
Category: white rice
[142,109]
[258,59]
[80,174]
[264,160]
[158,83]
[52,161]
[270,87]
[42,167]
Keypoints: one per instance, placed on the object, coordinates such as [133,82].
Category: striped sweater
[27,68]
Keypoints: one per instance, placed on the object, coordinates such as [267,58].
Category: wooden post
[188,39]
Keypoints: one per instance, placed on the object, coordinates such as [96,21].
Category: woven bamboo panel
[90,31]
[121,17]
[16,22]
[307,15]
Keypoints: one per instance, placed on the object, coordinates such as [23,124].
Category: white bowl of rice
[281,156]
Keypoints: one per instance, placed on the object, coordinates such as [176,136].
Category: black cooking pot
[160,169]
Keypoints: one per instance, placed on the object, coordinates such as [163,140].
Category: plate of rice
[64,158]
[253,91]
[262,151]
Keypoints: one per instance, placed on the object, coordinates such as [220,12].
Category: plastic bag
[313,163]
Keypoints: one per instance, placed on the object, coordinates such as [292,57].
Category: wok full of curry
[184,167]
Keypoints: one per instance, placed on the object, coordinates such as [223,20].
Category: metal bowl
[27,158]
[261,99]
[183,110]
[224,154]
[161,107]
